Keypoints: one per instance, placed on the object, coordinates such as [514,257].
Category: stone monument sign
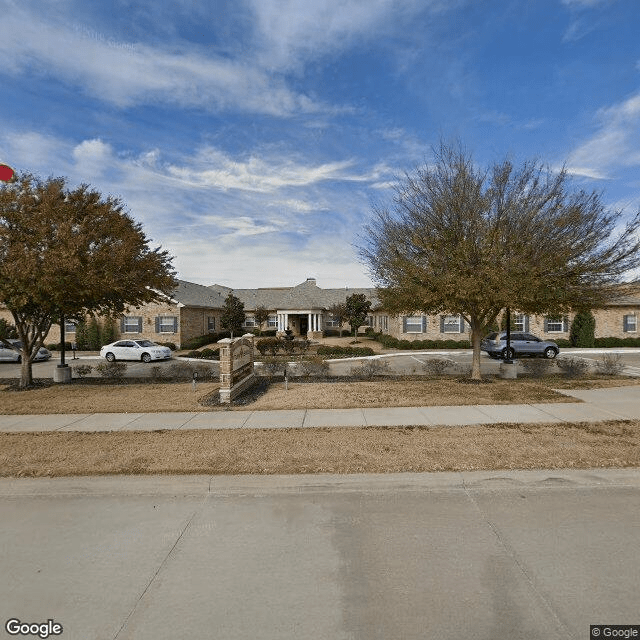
[236,366]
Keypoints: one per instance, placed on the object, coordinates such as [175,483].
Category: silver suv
[495,344]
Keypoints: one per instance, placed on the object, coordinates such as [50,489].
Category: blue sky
[251,137]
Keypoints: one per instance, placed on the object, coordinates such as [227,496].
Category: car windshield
[146,343]
[491,336]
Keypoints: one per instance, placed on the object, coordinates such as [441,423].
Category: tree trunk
[476,337]
[26,376]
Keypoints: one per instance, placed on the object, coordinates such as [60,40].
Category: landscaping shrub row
[344,352]
[205,354]
[393,343]
[201,341]
[617,342]
[273,345]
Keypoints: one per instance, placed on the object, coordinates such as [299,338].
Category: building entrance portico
[303,322]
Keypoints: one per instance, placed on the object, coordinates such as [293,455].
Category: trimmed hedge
[617,342]
[344,352]
[58,347]
[393,343]
[205,354]
[201,341]
[170,345]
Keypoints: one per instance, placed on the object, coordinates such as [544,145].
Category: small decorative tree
[232,316]
[583,330]
[261,315]
[357,309]
[81,335]
[109,331]
[93,335]
[339,313]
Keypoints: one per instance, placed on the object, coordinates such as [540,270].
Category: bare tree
[460,240]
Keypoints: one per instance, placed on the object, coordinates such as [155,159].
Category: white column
[315,321]
[286,321]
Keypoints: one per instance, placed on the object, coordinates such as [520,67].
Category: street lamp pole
[508,359]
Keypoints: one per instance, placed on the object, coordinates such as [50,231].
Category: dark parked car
[522,344]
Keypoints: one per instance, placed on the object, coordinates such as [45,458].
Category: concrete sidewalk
[616,403]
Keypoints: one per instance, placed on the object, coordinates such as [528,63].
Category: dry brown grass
[160,397]
[336,450]
[106,398]
[402,393]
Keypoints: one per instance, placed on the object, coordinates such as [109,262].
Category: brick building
[194,310]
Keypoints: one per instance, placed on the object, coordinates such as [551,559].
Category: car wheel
[110,357]
[550,352]
[508,356]
[146,357]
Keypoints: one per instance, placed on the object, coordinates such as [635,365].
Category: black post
[508,359]
[62,338]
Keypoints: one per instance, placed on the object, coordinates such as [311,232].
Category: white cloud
[125,74]
[615,144]
[211,168]
[92,157]
[292,31]
[279,219]
[583,3]
[35,152]
[272,264]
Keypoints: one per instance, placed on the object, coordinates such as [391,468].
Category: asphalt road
[536,555]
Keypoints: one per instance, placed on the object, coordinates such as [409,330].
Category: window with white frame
[452,324]
[630,323]
[520,322]
[331,321]
[132,324]
[413,324]
[69,327]
[383,323]
[211,324]
[555,325]
[272,322]
[167,324]
[250,321]
[369,321]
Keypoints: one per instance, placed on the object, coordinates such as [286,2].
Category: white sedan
[144,350]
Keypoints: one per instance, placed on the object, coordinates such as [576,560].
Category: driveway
[536,555]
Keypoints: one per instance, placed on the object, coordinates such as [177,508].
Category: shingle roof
[306,295]
[191,294]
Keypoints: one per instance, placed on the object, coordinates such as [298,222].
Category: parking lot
[45,369]
[408,363]
[403,363]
